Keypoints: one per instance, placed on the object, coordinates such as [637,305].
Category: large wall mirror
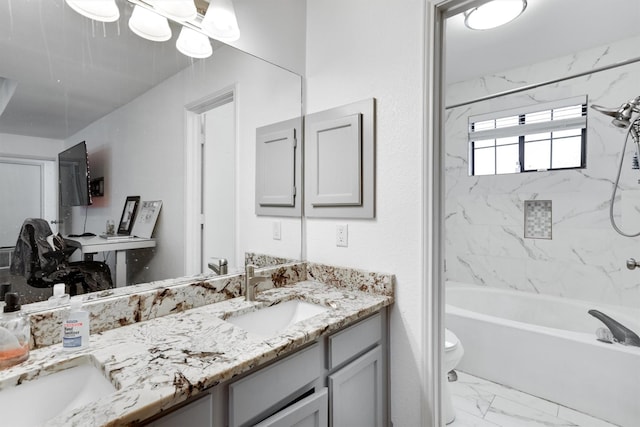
[522,227]
[157,124]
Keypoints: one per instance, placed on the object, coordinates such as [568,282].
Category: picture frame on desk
[127,220]
[147,218]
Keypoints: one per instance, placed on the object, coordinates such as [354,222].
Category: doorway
[210,192]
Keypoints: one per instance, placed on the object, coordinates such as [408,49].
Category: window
[548,136]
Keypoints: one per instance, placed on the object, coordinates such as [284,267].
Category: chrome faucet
[218,265]
[251,280]
[620,333]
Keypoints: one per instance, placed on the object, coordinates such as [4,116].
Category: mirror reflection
[177,132]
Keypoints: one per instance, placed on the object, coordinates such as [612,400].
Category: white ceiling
[547,29]
[72,71]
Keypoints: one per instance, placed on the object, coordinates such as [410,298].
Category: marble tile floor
[482,403]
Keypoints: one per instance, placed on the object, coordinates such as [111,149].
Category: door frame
[193,218]
[433,303]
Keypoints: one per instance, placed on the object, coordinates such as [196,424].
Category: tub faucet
[251,280]
[620,333]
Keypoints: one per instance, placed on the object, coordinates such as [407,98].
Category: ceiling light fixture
[193,43]
[149,25]
[220,21]
[98,10]
[150,20]
[494,14]
[177,10]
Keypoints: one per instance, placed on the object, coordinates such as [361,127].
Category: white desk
[94,244]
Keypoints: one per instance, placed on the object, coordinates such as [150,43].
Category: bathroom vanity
[341,377]
[202,364]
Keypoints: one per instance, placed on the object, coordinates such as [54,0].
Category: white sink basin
[270,321]
[34,402]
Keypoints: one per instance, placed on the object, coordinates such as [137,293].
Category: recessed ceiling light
[494,14]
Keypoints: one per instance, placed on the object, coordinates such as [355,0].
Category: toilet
[453,352]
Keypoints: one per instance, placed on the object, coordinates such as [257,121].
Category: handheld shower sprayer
[621,115]
[622,118]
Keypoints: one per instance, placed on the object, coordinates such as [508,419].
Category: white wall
[273,30]
[30,146]
[356,50]
[139,149]
[585,259]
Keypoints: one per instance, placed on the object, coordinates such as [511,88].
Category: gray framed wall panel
[340,161]
[337,146]
[279,169]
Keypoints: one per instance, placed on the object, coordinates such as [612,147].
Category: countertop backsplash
[125,306]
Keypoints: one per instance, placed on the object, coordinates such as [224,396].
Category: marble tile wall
[484,223]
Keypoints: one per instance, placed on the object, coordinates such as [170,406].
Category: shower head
[621,115]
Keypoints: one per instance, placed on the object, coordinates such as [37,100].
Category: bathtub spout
[620,333]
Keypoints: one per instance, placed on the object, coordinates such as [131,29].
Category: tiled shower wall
[484,226]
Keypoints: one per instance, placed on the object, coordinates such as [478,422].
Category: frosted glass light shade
[193,44]
[220,21]
[98,10]
[149,25]
[494,14]
[177,10]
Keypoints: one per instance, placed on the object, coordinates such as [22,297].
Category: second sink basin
[34,402]
[272,320]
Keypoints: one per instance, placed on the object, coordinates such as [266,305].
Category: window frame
[523,129]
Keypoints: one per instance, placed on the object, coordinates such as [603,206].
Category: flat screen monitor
[73,176]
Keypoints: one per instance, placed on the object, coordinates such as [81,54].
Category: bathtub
[546,346]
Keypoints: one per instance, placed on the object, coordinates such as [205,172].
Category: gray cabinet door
[311,411]
[196,414]
[355,392]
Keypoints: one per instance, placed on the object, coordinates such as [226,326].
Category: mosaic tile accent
[537,219]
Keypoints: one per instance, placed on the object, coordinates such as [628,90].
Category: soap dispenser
[75,330]
[59,296]
[15,332]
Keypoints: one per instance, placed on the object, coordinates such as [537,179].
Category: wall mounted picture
[128,215]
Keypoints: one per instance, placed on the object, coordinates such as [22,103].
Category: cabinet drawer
[352,341]
[270,387]
[311,411]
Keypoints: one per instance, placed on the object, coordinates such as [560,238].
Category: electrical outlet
[342,235]
[276,230]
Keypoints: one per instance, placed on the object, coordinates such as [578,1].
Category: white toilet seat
[451,341]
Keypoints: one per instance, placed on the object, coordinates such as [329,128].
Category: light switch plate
[276,230]
[342,235]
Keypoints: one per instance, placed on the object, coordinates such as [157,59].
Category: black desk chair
[45,262]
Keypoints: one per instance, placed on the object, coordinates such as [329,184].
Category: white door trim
[193,174]
[437,11]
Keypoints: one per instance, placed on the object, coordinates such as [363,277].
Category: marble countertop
[159,363]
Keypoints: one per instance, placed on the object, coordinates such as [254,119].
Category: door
[218,232]
[29,187]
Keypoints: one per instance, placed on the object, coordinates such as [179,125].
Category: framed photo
[128,215]
[147,217]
